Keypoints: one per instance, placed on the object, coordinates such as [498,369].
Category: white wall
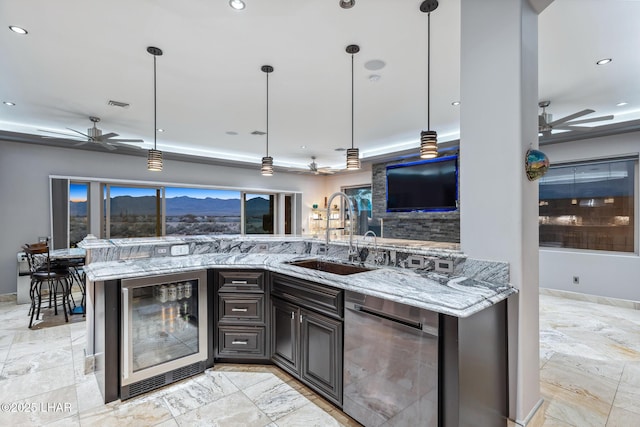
[603,274]
[24,188]
[348,179]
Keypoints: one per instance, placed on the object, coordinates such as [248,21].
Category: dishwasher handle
[387,316]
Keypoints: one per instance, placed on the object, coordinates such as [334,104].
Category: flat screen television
[427,185]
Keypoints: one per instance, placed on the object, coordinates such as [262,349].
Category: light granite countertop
[455,296]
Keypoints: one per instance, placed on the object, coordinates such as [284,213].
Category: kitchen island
[469,303]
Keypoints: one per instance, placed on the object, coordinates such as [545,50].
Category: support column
[499,206]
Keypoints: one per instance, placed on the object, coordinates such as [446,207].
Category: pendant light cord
[352,92]
[267,114]
[429,71]
[155,105]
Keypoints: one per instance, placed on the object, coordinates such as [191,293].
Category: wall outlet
[576,280]
[443,265]
[415,261]
[262,247]
[179,250]
[162,251]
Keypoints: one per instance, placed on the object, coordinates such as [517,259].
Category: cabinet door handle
[239,282]
[293,315]
[240,342]
[301,319]
[242,309]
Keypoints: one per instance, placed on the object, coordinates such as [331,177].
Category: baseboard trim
[531,415]
[616,302]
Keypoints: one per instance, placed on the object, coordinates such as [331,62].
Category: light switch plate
[179,250]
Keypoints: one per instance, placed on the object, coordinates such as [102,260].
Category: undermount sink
[329,267]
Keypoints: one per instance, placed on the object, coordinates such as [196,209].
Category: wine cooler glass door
[163,325]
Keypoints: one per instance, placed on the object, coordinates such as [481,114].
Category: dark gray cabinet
[241,324]
[285,342]
[321,353]
[307,334]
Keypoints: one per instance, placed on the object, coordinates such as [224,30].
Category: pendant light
[154,158]
[353,154]
[428,138]
[267,161]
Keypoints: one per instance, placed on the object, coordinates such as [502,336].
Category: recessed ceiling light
[18,30]
[455,103]
[622,104]
[374,64]
[604,61]
[347,4]
[9,103]
[374,77]
[237,4]
[303,146]
[231,132]
[160,130]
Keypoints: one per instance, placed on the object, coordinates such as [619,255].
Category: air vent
[118,104]
[258,132]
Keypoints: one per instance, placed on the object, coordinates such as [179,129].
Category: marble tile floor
[589,369]
[43,383]
[589,363]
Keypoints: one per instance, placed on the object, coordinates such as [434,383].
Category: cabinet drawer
[240,281]
[324,299]
[241,308]
[239,341]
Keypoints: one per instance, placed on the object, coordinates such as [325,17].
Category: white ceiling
[80,54]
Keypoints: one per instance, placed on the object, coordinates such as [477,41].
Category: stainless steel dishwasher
[390,363]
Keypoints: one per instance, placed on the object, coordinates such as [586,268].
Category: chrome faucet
[376,259]
[351,253]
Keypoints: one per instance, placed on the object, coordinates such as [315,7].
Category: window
[360,197]
[193,211]
[133,211]
[121,209]
[589,205]
[258,213]
[78,212]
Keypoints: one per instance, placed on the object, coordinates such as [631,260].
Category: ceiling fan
[95,135]
[546,124]
[313,167]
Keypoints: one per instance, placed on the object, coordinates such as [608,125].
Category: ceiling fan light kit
[267,161]
[428,138]
[353,154]
[154,157]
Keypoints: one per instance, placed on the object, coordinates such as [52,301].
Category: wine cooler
[163,330]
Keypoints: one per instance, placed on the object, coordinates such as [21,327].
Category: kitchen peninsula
[256,305]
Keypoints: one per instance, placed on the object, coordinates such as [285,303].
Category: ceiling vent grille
[118,104]
[258,132]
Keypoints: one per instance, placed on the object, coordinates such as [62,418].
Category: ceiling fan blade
[568,126]
[79,143]
[77,131]
[106,145]
[108,135]
[571,117]
[57,133]
[591,120]
[125,140]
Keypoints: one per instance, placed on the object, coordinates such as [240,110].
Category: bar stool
[43,272]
